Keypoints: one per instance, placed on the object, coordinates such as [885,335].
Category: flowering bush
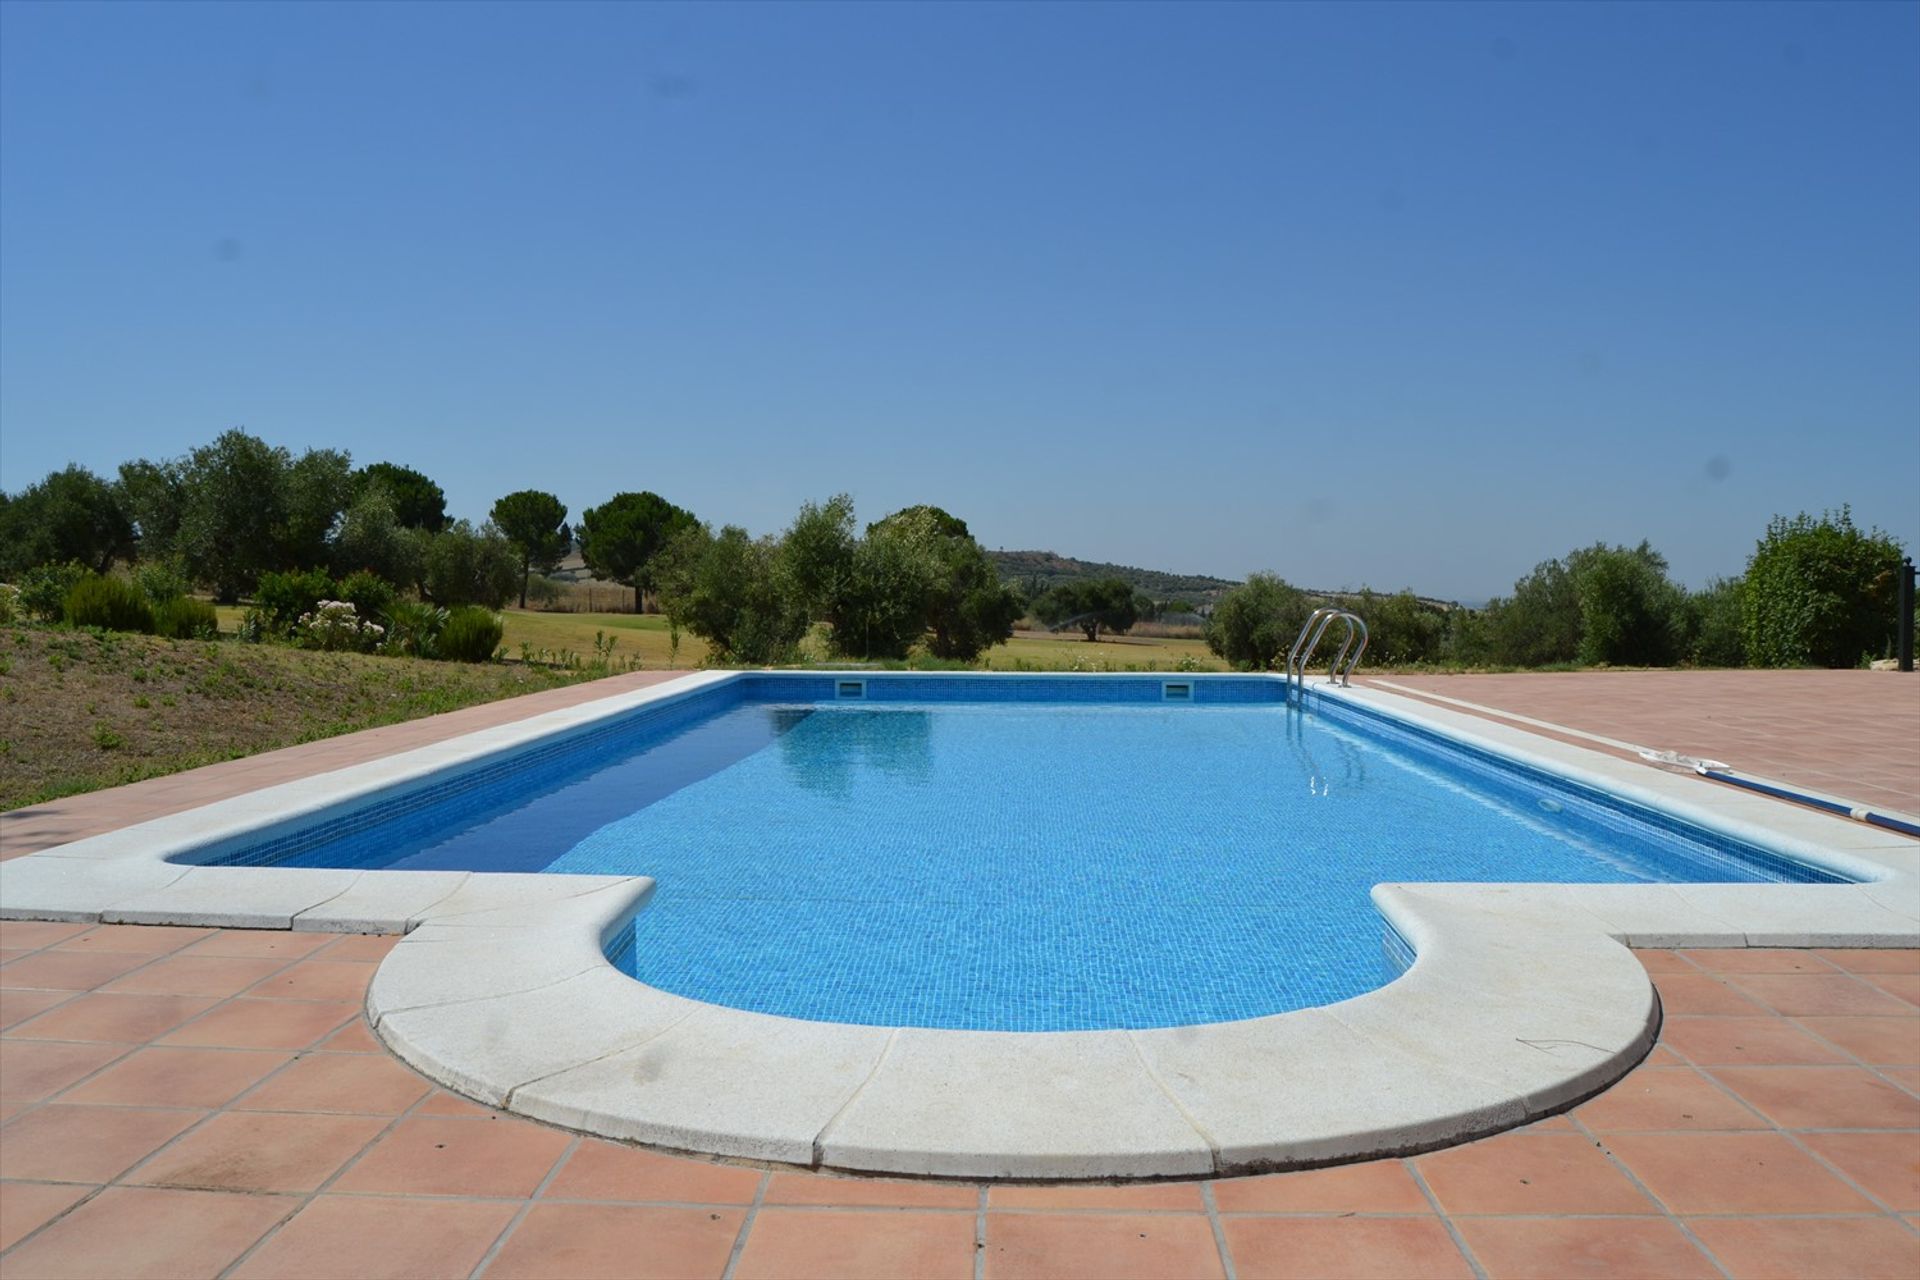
[334,625]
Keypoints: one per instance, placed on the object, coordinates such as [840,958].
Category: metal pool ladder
[1301,655]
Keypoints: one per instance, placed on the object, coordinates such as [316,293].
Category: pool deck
[200,1102]
[215,1095]
[1854,734]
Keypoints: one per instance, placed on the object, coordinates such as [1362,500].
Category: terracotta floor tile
[261,944]
[1661,1056]
[1886,1165]
[1901,986]
[1096,1246]
[1798,1248]
[1361,1248]
[34,934]
[1175,1196]
[887,1193]
[25,1207]
[18,1006]
[1378,1186]
[1658,961]
[830,1243]
[1666,1098]
[139,1232]
[260,1151]
[586,1241]
[1601,1248]
[1883,1041]
[1732,960]
[379,1239]
[31,1070]
[1701,993]
[143,939]
[191,975]
[444,1103]
[435,1155]
[1530,1173]
[355,1037]
[1818,996]
[366,948]
[242,1023]
[608,1171]
[61,1143]
[1874,960]
[1744,1042]
[1823,1097]
[70,970]
[162,1077]
[1733,1173]
[1906,1077]
[360,1083]
[123,1019]
[316,980]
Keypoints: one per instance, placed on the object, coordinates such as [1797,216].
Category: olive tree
[967,609]
[71,515]
[734,592]
[1253,624]
[1092,606]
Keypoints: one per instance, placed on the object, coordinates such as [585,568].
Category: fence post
[1906,615]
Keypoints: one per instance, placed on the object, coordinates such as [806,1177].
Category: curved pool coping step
[1522,999]
[1507,1014]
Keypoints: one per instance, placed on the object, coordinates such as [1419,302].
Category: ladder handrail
[1301,655]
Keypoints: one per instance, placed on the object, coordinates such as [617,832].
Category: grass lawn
[82,710]
[643,636]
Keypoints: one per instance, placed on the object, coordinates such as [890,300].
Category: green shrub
[285,597]
[1820,593]
[465,565]
[334,627]
[43,591]
[370,594]
[471,634]
[110,603]
[185,618]
[1714,625]
[9,604]
[414,627]
[160,580]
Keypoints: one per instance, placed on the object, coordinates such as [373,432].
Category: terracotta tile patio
[189,1102]
[212,1135]
[1854,734]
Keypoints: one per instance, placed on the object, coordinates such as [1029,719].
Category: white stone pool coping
[1522,998]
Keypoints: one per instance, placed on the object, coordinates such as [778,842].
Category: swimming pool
[1024,854]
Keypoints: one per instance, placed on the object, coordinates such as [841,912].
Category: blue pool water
[1064,855]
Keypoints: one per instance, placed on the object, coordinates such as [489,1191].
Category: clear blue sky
[1410,295]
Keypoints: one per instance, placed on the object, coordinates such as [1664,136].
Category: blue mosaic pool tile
[1024,854]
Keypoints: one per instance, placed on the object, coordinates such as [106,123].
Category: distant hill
[1047,569]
